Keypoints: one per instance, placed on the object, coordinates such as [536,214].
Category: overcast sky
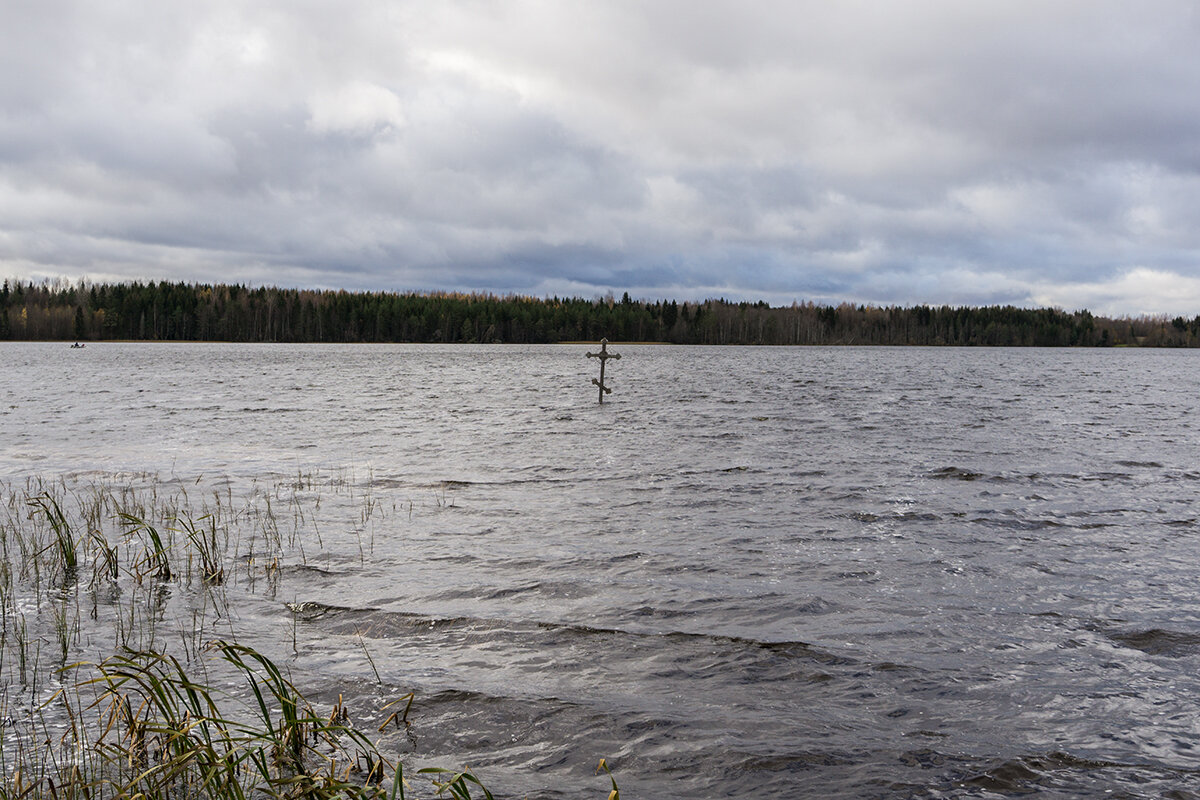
[967,152]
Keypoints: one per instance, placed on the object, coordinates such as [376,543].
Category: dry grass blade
[397,716]
[615,794]
[163,735]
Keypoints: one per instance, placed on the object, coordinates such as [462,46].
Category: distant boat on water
[78,346]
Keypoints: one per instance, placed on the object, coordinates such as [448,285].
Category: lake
[751,572]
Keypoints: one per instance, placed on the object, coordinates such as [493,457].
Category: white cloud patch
[1136,291]
[358,107]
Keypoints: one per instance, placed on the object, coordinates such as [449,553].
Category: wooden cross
[603,355]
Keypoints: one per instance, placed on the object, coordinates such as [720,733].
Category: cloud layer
[1040,153]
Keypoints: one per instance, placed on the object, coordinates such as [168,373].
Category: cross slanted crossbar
[603,355]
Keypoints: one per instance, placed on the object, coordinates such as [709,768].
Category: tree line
[164,311]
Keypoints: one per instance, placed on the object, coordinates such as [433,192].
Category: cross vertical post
[603,355]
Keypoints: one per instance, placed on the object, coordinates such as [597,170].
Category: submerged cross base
[603,355]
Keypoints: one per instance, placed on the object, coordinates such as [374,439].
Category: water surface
[752,572]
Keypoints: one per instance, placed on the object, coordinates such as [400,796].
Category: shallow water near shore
[751,572]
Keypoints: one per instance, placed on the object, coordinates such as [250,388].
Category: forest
[164,311]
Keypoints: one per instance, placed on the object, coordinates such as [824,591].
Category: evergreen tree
[178,311]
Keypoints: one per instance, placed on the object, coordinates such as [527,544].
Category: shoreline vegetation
[123,673]
[65,311]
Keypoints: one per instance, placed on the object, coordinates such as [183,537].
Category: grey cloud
[923,152]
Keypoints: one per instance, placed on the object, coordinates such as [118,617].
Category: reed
[615,793]
[155,560]
[458,784]
[165,735]
[153,715]
[66,626]
[141,727]
[106,561]
[204,546]
[64,540]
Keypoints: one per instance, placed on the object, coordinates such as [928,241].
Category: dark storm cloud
[1029,153]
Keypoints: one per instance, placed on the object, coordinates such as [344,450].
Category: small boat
[78,346]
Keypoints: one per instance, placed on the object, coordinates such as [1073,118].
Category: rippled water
[753,572]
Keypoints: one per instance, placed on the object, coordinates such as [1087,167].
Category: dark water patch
[915,516]
[643,613]
[568,478]
[893,516]
[807,473]
[861,574]
[546,589]
[1011,777]
[803,761]
[513,737]
[927,734]
[692,568]
[1159,642]
[1140,464]
[452,483]
[452,558]
[955,473]
[391,624]
[1081,520]
[311,611]
[1093,526]
[1107,477]
[389,483]
[816,605]
[518,564]
[1021,524]
[308,571]
[1066,775]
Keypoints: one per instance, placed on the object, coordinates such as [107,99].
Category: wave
[380,624]
[1031,774]
[1160,642]
[557,589]
[955,473]
[309,569]
[311,611]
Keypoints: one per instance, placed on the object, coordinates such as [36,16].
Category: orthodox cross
[603,355]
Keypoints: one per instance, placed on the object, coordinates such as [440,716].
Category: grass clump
[162,734]
[141,727]
[64,540]
[134,583]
